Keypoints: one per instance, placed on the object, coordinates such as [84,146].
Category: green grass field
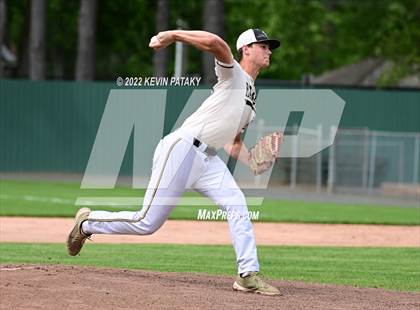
[29,198]
[390,268]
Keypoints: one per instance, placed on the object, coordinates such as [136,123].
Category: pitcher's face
[260,54]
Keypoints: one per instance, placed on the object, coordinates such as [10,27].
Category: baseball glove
[264,153]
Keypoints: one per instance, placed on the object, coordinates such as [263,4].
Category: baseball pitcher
[187,158]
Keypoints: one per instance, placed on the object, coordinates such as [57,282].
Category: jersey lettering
[250,95]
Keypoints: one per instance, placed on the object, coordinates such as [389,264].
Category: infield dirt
[70,287]
[74,287]
[211,232]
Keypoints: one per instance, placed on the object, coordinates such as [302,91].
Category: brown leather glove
[265,152]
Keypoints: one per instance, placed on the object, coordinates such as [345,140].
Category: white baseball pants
[179,165]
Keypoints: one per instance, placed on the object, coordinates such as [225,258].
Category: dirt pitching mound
[74,287]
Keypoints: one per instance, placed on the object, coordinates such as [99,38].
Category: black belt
[209,150]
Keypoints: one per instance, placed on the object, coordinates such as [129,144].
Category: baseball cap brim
[272,43]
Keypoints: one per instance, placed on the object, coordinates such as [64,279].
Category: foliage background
[316,35]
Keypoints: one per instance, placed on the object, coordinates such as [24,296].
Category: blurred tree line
[89,39]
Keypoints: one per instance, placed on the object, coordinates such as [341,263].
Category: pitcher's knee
[145,228]
[236,202]
[155,228]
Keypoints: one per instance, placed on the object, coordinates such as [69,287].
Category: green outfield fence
[50,126]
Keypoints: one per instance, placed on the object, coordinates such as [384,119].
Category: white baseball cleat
[252,283]
[77,237]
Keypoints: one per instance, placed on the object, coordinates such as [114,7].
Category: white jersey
[228,110]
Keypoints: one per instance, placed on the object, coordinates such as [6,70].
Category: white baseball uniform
[184,160]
